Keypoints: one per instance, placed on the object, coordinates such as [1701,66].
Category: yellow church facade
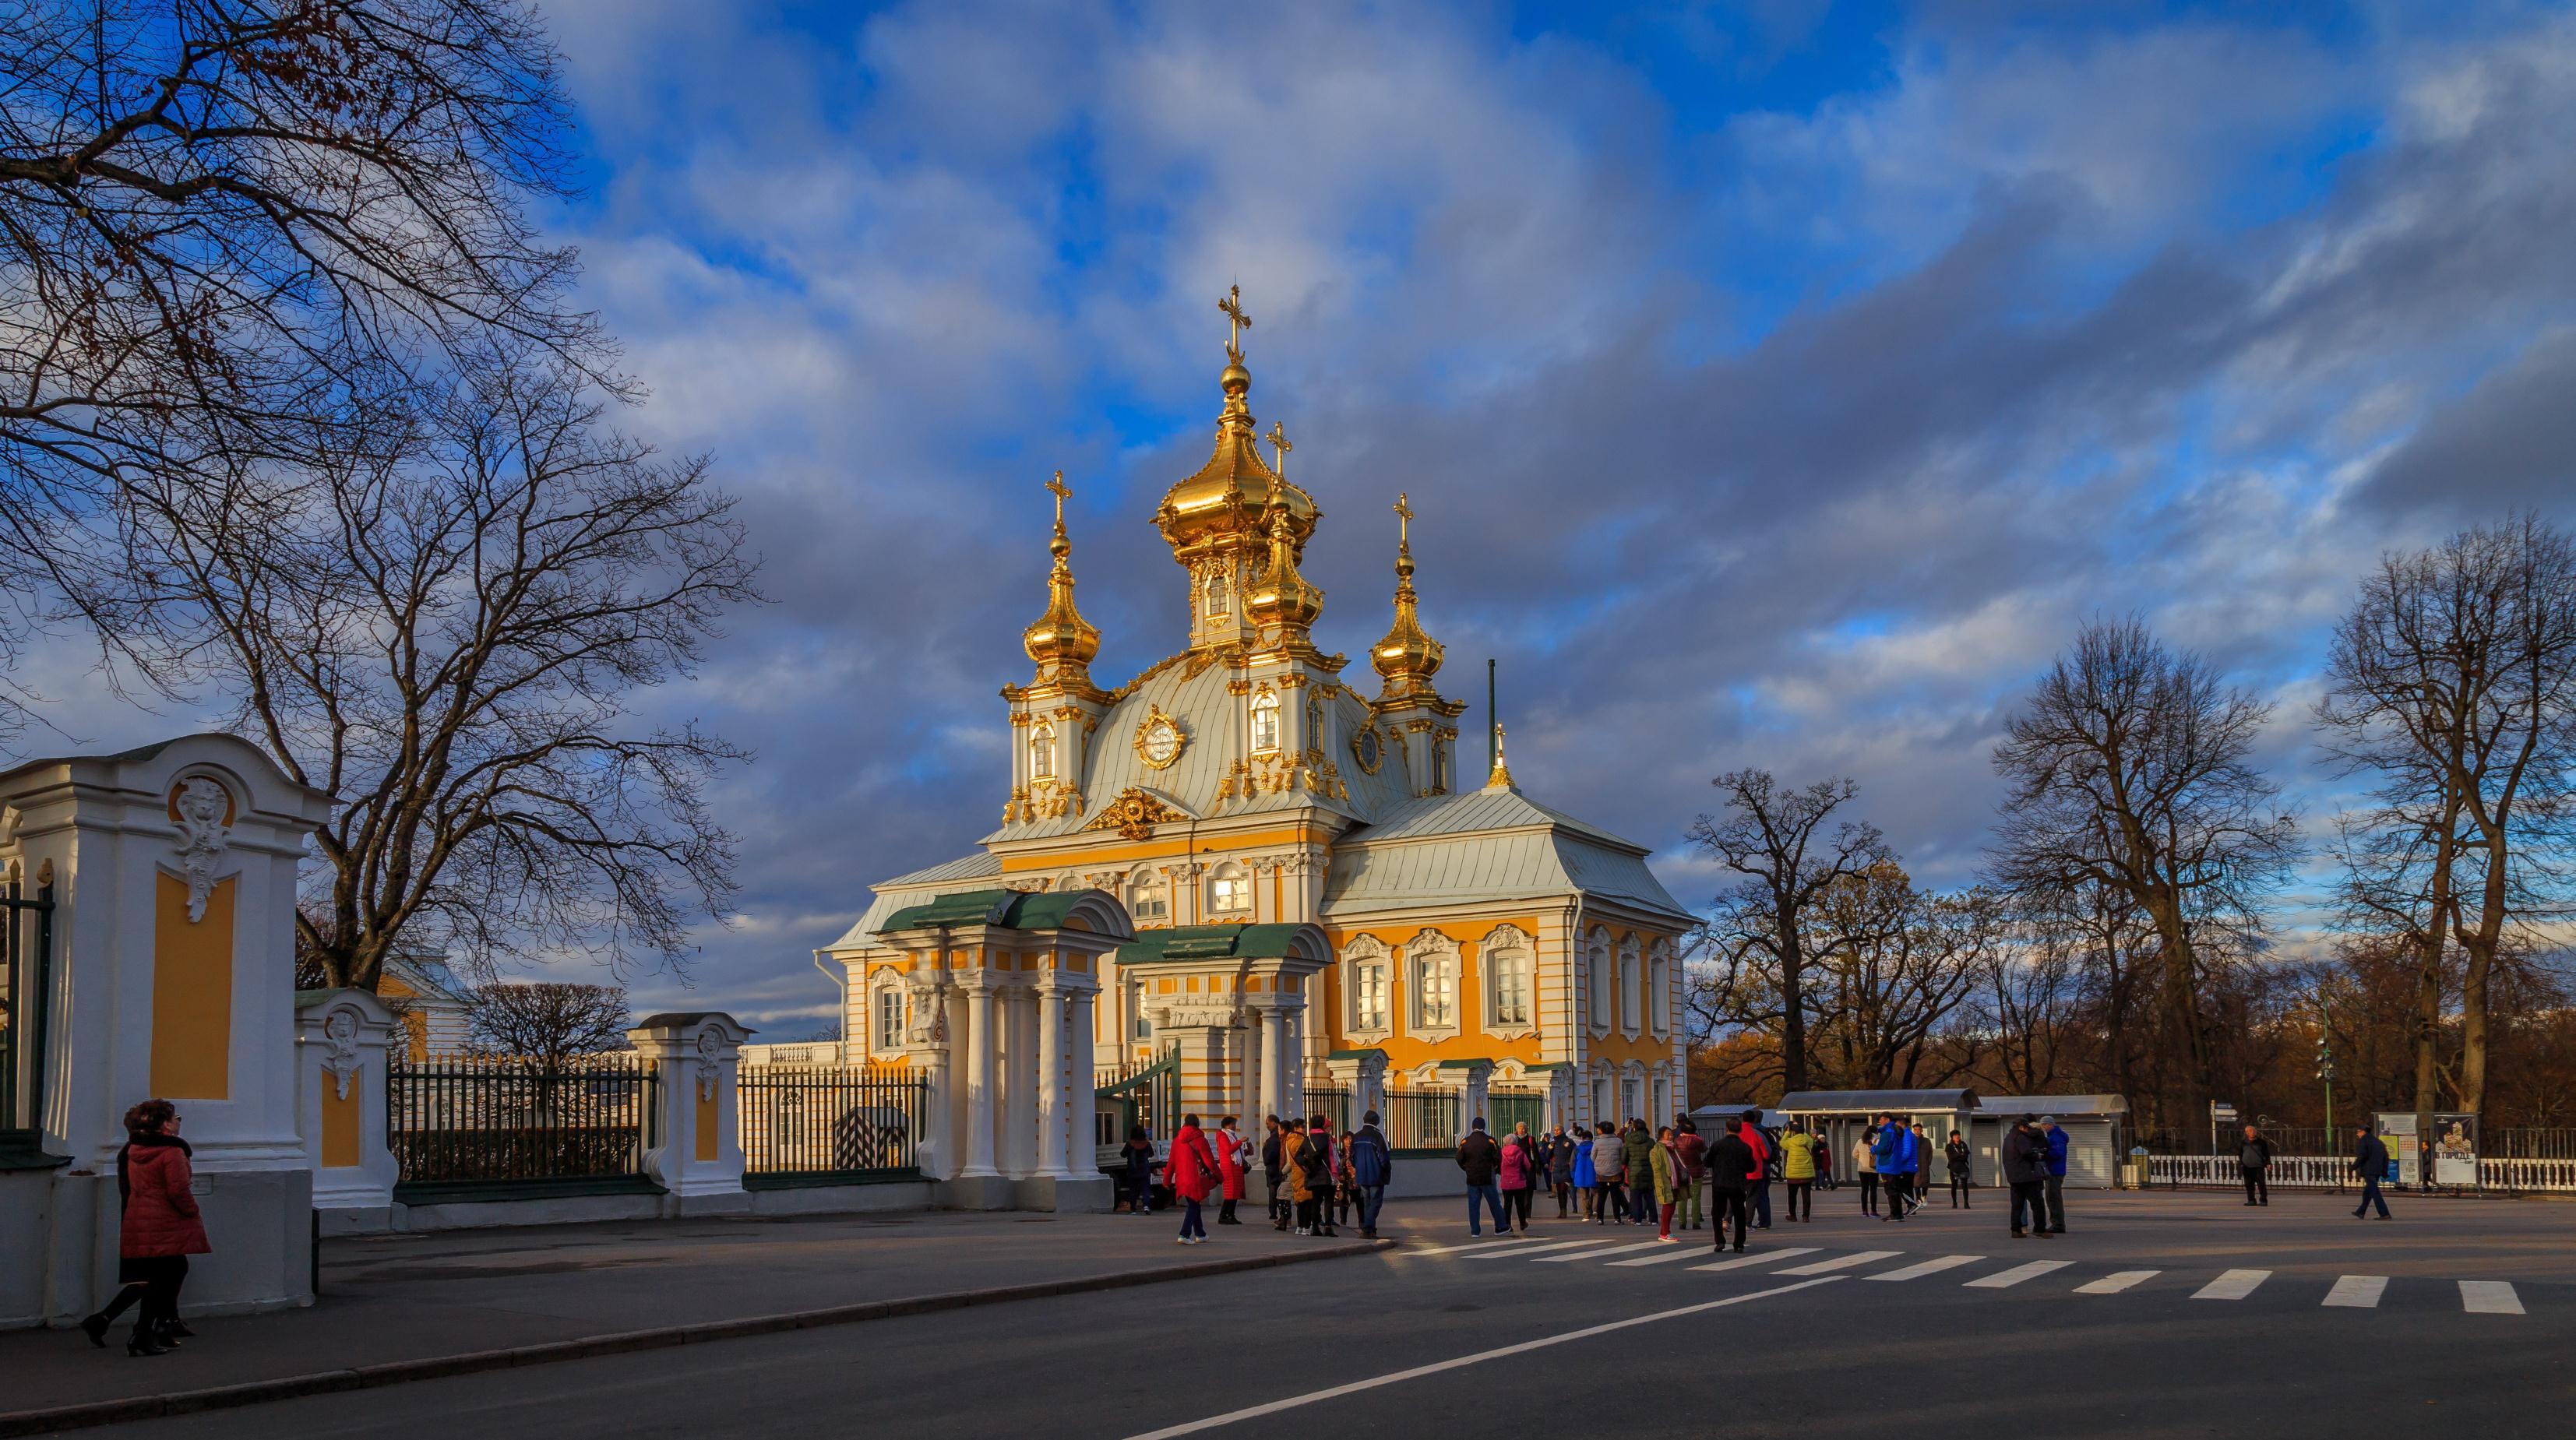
[1247,795]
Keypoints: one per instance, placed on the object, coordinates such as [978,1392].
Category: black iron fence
[26,982]
[828,1122]
[462,1120]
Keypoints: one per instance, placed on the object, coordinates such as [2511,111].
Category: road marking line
[2489,1297]
[2006,1279]
[2357,1292]
[1683,1251]
[2233,1285]
[1921,1268]
[1843,1262]
[1595,1254]
[1519,1250]
[2116,1281]
[1310,1397]
[1455,1249]
[1765,1258]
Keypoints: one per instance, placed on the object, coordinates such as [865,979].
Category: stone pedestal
[699,1160]
[341,1040]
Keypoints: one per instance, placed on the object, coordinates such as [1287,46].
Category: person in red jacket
[1193,1173]
[1233,1154]
[161,1230]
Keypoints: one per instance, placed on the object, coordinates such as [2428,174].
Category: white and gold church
[1315,895]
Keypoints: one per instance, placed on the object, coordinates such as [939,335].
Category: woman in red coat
[1193,1174]
[1232,1153]
[160,1231]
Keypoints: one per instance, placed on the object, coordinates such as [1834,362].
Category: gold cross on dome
[1280,447]
[1236,322]
[1062,492]
[1403,520]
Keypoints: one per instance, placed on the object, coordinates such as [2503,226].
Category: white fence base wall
[2328,1172]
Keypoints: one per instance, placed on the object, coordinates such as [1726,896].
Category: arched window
[1149,898]
[1439,765]
[1220,598]
[1139,1024]
[1511,971]
[1632,988]
[1434,958]
[1230,890]
[1042,752]
[890,1018]
[1596,976]
[1265,721]
[1366,963]
[1659,985]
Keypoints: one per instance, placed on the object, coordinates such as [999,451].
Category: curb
[625,1342]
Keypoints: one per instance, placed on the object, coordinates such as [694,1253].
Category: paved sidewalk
[411,1297]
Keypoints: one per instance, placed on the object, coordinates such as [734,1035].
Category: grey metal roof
[2059,1105]
[1900,1101]
[981,865]
[1483,846]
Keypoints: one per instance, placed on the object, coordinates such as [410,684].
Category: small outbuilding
[2096,1126]
[1841,1116]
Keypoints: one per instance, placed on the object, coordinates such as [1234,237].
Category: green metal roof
[1007,909]
[1210,942]
[1355,1054]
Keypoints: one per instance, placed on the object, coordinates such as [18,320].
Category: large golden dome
[1228,504]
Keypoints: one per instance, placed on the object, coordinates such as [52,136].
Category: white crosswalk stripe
[2233,1285]
[1767,1257]
[2489,1297]
[1599,1254]
[1461,1249]
[1921,1268]
[1519,1249]
[2115,1282]
[2357,1292]
[2006,1279]
[1842,1262]
[1671,1253]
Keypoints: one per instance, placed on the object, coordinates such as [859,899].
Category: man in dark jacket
[1478,1155]
[2370,1162]
[1730,1179]
[1372,1167]
[1558,1151]
[2253,1158]
[1274,1170]
[2026,1171]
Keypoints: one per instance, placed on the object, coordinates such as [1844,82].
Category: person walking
[2055,1185]
[1372,1166]
[2370,1162]
[2026,1171]
[1481,1158]
[1962,1178]
[1321,1170]
[1587,1181]
[1274,1171]
[1693,1148]
[1517,1175]
[1730,1179]
[1866,1166]
[159,1230]
[1636,1148]
[2253,1162]
[1609,1172]
[1799,1152]
[1665,1162]
[1560,1152]
[1231,1158]
[1139,1157]
[1888,1156]
[1765,1165]
[1193,1173]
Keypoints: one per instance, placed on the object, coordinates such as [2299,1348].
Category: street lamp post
[2326,1073]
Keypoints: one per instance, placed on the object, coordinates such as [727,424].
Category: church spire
[1501,778]
[1283,604]
[1061,642]
[1219,520]
[1407,657]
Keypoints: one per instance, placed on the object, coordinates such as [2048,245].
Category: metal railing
[1505,1109]
[1422,1119]
[825,1121]
[1334,1104]
[2331,1172]
[461,1119]
[26,983]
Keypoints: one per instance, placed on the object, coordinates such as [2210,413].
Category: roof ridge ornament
[1501,779]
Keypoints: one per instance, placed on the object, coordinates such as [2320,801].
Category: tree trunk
[2481,945]
[2182,997]
[1793,1005]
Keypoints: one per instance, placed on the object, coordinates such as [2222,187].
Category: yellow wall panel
[710,1116]
[192,992]
[340,1120]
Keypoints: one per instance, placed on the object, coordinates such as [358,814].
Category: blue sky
[1775,384]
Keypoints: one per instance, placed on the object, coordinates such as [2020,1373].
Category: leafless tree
[2452,685]
[1762,946]
[447,634]
[2029,984]
[2128,768]
[1897,967]
[228,227]
[548,1023]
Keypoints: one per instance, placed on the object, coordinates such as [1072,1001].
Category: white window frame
[1431,974]
[1229,874]
[1216,597]
[1140,1026]
[1149,884]
[888,990]
[1632,987]
[1659,986]
[1598,986]
[1363,957]
[1509,947]
[1042,754]
[1265,708]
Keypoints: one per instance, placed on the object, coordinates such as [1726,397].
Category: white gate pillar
[699,1158]
[341,1041]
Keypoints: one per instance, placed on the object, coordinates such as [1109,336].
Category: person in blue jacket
[2056,1173]
[1372,1167]
[1894,1155]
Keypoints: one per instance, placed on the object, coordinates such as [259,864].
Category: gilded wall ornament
[1134,814]
[1159,741]
[1368,749]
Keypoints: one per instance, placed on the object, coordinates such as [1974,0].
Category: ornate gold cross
[1280,447]
[1062,493]
[1403,520]
[1236,322]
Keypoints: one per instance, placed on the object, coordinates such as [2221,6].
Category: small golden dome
[1282,601]
[1407,657]
[1061,640]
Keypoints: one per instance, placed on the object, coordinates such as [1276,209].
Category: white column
[979,1079]
[1242,1039]
[1080,1158]
[1053,1086]
[1019,1079]
[1292,1076]
[1274,1062]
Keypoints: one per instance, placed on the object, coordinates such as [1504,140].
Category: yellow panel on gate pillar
[192,992]
[709,1125]
[343,1118]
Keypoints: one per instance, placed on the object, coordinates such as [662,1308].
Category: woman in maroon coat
[161,1230]
[1232,1151]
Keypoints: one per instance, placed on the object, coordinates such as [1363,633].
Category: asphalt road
[1404,1344]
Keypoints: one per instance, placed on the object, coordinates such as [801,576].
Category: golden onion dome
[1061,640]
[1407,657]
[1282,600]
[1234,495]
